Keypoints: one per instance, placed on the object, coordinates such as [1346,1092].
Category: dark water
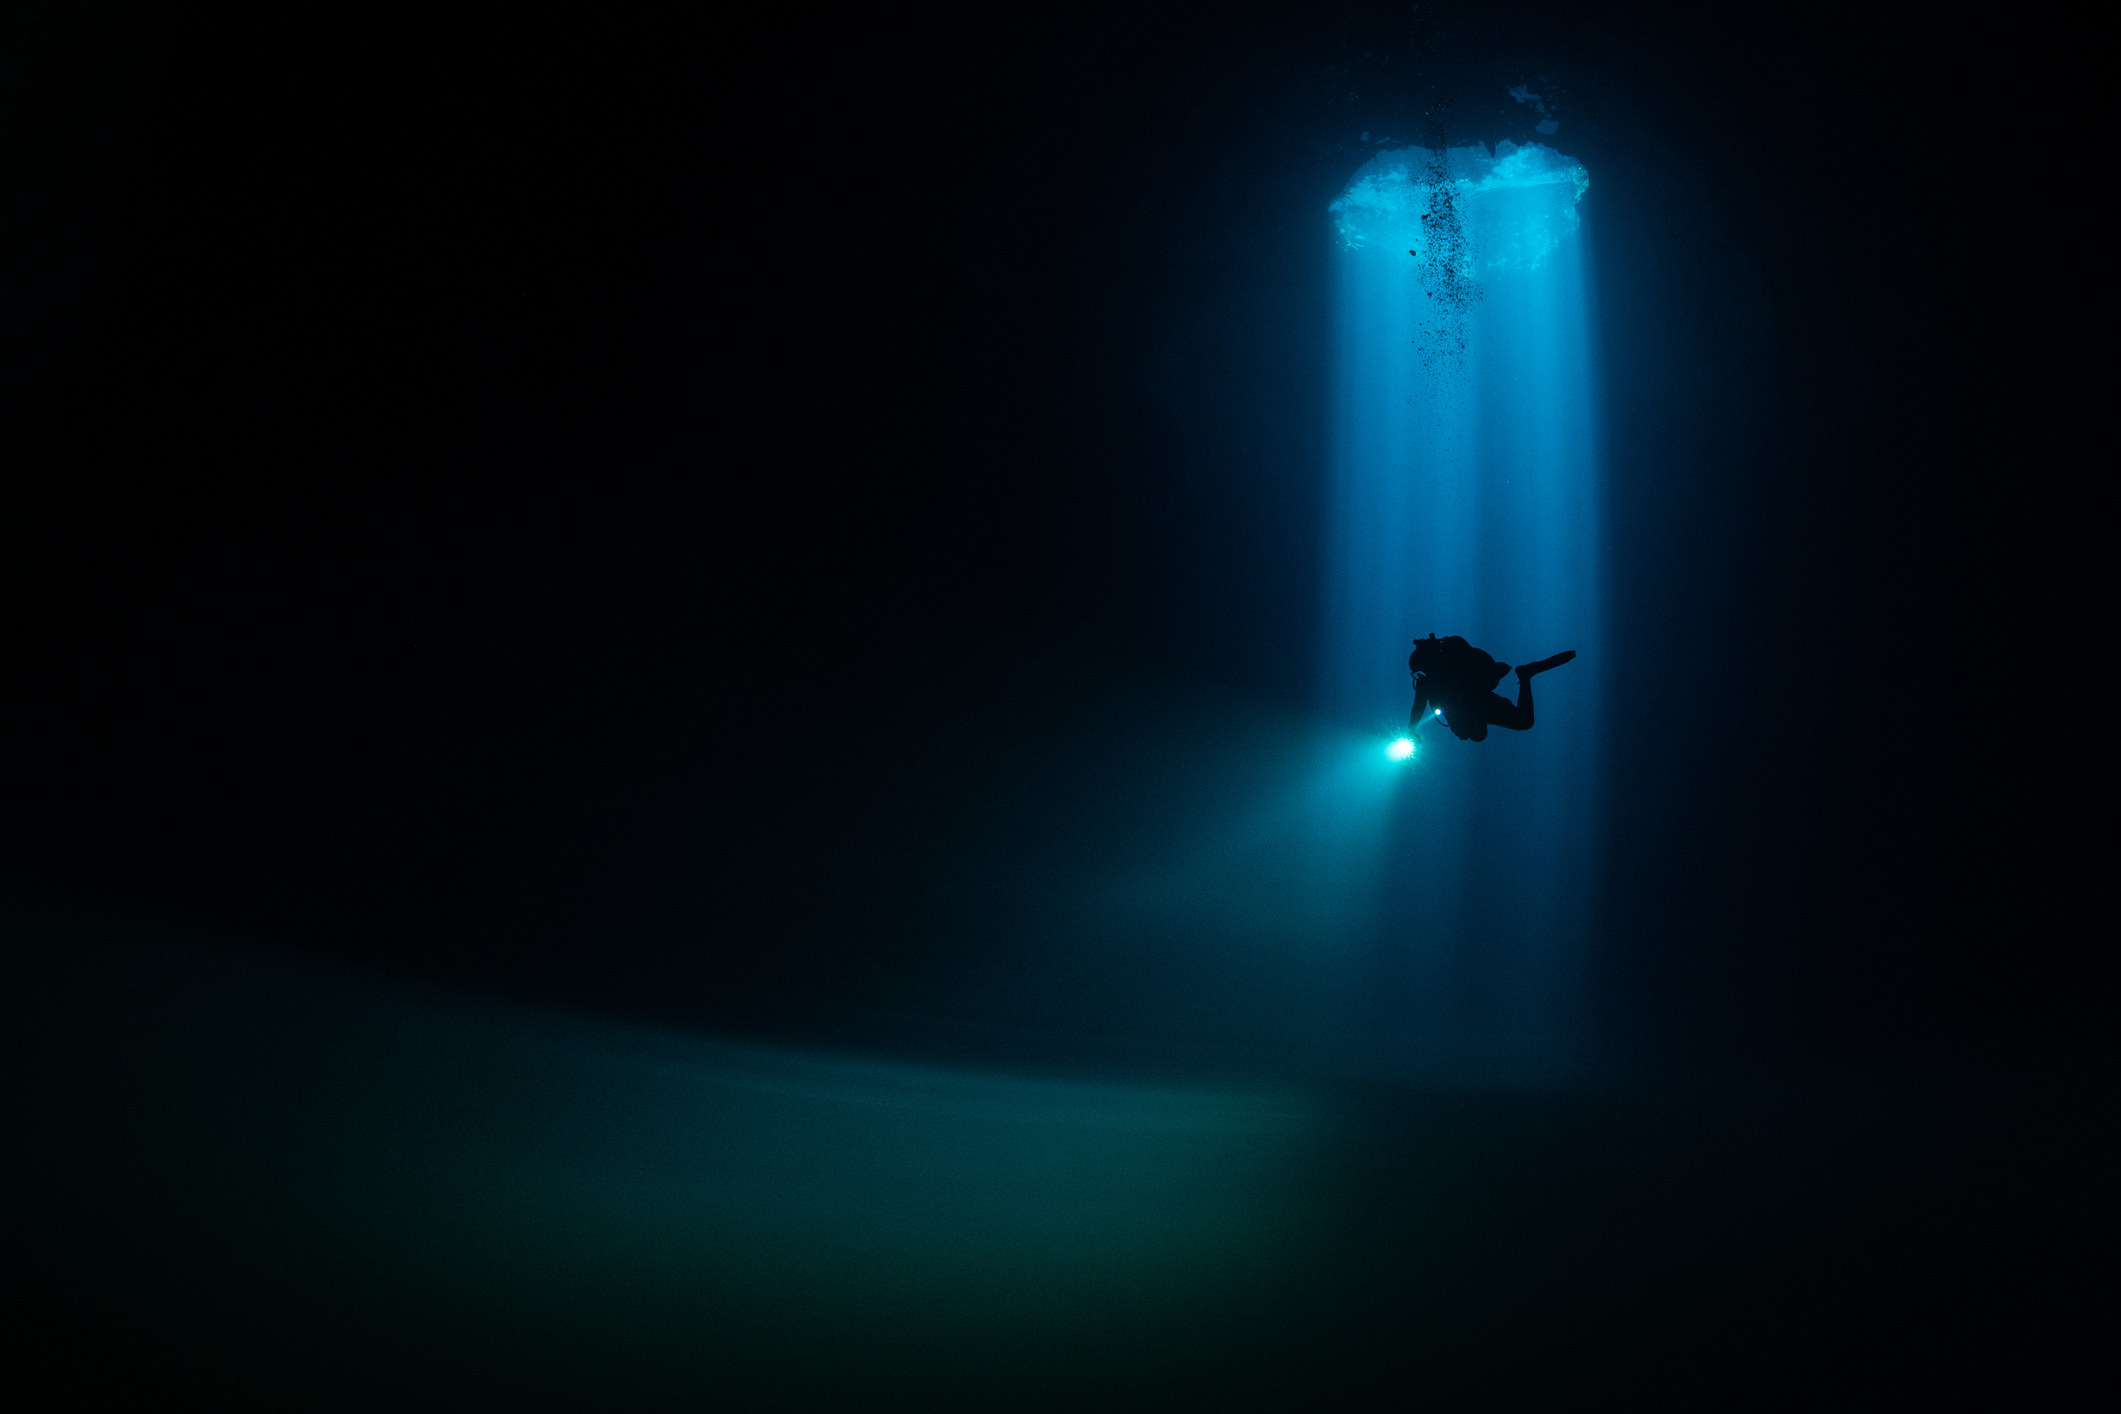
[661,725]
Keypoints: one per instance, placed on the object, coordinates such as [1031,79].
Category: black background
[502,497]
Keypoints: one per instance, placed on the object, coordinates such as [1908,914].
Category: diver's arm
[1421,706]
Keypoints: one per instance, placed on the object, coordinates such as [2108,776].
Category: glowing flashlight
[1401,749]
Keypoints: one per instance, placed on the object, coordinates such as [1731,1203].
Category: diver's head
[1418,660]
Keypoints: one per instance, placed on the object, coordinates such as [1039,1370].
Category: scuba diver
[1460,680]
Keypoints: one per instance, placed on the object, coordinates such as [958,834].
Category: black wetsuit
[1459,678]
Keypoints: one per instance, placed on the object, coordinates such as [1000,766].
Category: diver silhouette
[1453,675]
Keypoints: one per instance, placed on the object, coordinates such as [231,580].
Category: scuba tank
[1454,667]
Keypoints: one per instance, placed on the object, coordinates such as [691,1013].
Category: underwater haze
[1468,498]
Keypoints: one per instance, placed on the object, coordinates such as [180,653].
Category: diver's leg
[1516,716]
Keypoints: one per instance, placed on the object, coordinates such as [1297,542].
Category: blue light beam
[1466,500]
